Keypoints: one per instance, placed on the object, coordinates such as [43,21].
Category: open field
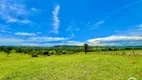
[92,66]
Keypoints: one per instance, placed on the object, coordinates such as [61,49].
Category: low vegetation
[93,66]
[70,63]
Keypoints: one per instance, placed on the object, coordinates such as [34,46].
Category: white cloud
[116,31]
[109,14]
[10,40]
[73,26]
[112,39]
[25,21]
[139,27]
[52,44]
[29,44]
[39,32]
[76,43]
[4,28]
[11,20]
[14,11]
[93,26]
[33,9]
[72,35]
[25,34]
[32,41]
[132,31]
[47,39]
[99,23]
[16,42]
[123,7]
[129,5]
[56,21]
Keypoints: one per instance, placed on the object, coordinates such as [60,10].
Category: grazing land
[107,65]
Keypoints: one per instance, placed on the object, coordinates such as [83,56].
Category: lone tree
[86,46]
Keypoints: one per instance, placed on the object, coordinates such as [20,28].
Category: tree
[34,53]
[19,50]
[7,50]
[46,53]
[86,46]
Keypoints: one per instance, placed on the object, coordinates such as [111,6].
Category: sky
[71,22]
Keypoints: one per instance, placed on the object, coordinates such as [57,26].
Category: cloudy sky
[71,22]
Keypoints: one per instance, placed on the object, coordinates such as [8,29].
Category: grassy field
[92,66]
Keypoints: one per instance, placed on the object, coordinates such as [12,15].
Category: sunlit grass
[93,66]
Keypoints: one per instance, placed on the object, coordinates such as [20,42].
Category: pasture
[93,66]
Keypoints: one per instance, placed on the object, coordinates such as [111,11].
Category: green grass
[92,66]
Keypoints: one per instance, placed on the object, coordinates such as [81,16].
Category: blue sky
[70,22]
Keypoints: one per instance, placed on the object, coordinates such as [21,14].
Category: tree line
[61,49]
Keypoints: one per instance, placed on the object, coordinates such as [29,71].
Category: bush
[51,53]
[34,55]
[124,53]
[58,52]
[64,52]
[46,53]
